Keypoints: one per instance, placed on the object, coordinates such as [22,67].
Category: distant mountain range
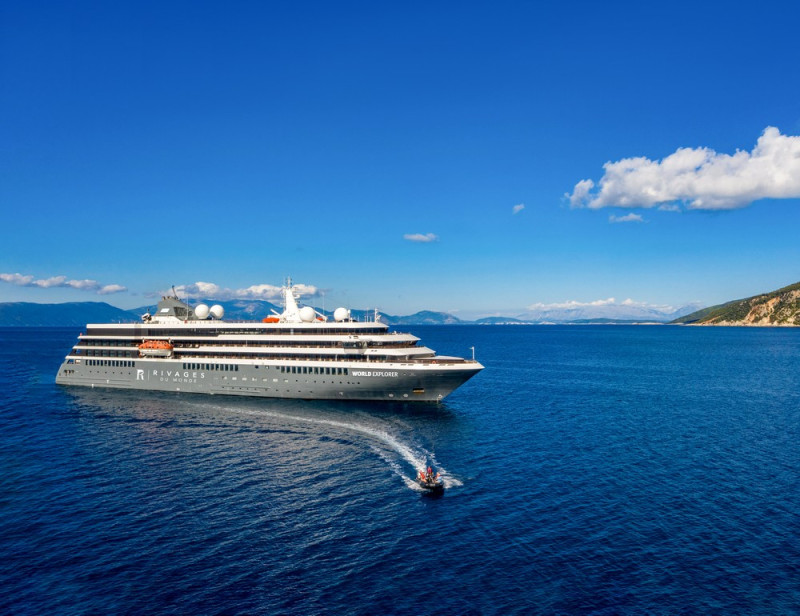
[77,314]
[606,313]
[777,308]
[781,307]
[72,314]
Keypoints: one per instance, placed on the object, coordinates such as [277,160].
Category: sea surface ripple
[589,470]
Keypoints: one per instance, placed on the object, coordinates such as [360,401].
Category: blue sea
[589,470]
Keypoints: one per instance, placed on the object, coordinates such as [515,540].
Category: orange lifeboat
[155,348]
[271,320]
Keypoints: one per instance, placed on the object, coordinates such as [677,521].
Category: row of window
[105,353]
[279,356]
[314,370]
[283,369]
[153,331]
[314,344]
[116,363]
[210,367]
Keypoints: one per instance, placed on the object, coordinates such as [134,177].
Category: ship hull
[393,382]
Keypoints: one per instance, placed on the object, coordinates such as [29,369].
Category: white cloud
[260,291]
[83,285]
[611,301]
[699,178]
[421,237]
[518,208]
[573,304]
[199,289]
[54,281]
[627,218]
[268,292]
[61,281]
[17,279]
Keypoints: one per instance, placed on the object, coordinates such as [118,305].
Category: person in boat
[429,477]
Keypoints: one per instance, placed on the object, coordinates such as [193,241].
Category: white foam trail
[451,482]
[410,483]
[418,461]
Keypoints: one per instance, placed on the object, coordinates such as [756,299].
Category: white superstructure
[299,353]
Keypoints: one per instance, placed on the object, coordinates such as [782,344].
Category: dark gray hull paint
[391,382]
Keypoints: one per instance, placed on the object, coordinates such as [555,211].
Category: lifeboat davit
[155,348]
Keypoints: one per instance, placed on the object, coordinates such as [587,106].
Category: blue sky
[145,145]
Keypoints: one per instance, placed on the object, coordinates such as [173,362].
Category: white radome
[201,311]
[217,311]
[340,314]
[307,314]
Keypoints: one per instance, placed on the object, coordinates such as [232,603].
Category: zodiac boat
[430,482]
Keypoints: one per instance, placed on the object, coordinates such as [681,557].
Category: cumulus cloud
[54,281]
[199,289]
[83,285]
[17,279]
[421,237]
[611,301]
[627,218]
[62,281]
[518,208]
[268,292]
[573,304]
[699,178]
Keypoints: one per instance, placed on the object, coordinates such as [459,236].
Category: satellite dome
[307,314]
[341,314]
[201,311]
[217,311]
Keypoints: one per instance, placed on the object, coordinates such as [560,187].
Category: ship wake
[398,457]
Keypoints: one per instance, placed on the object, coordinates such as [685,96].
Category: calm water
[590,470]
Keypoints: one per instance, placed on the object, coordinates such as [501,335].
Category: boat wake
[418,458]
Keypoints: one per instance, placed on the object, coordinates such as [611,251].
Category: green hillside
[781,307]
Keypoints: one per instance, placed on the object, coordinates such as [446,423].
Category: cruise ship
[299,353]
